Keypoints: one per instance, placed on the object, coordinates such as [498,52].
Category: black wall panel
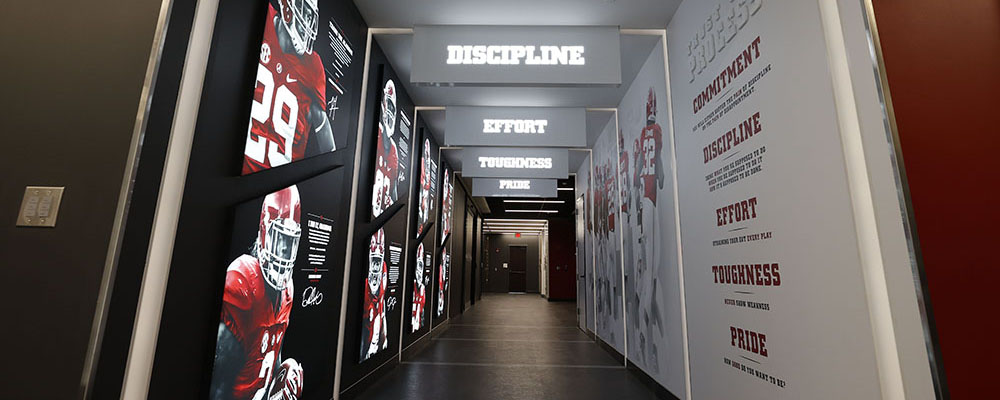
[393,220]
[186,341]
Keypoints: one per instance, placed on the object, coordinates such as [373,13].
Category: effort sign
[516,126]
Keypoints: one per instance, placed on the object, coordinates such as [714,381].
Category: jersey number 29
[272,106]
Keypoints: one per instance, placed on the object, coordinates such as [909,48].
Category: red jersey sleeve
[318,79]
[237,298]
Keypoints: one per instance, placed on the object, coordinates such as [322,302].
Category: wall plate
[40,206]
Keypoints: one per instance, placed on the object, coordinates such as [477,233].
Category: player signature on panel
[311,297]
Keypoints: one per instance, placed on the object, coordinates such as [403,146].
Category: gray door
[518,269]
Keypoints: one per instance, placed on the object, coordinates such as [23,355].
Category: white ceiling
[639,14]
[646,14]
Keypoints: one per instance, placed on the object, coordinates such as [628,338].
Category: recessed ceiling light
[534,211]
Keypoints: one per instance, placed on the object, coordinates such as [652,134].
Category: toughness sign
[514,187]
[516,126]
[503,162]
[465,54]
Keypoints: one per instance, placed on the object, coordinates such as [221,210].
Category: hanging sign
[516,126]
[467,54]
[514,187]
[505,162]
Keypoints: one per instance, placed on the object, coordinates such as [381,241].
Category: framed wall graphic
[420,268]
[428,190]
[376,290]
[443,275]
[303,85]
[392,152]
[275,334]
[375,325]
[421,279]
[447,203]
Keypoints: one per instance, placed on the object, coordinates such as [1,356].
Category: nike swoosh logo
[290,80]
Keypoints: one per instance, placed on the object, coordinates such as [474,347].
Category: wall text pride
[515,55]
[507,184]
[748,340]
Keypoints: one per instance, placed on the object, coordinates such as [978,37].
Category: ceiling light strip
[536,201]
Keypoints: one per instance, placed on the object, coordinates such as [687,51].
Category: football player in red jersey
[446,199]
[375,328]
[256,305]
[442,281]
[651,180]
[287,113]
[651,140]
[387,160]
[419,291]
[425,187]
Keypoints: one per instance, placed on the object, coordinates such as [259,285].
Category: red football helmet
[376,261]
[651,106]
[278,236]
[287,381]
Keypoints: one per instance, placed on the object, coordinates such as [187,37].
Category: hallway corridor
[511,347]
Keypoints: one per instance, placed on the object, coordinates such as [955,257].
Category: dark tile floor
[511,347]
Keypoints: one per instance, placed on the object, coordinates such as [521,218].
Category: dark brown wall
[72,78]
[562,259]
[942,59]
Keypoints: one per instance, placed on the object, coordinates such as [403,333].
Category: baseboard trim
[660,391]
[358,387]
[611,350]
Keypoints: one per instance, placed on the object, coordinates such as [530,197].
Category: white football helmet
[301,21]
[376,260]
[418,273]
[278,236]
[388,121]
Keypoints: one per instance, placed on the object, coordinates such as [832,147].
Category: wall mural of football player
[426,181]
[375,328]
[608,245]
[287,116]
[442,282]
[387,176]
[419,291]
[645,315]
[446,203]
[257,303]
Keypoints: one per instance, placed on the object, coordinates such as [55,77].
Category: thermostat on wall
[40,206]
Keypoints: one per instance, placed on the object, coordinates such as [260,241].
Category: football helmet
[376,261]
[651,106]
[418,273]
[301,21]
[388,121]
[287,381]
[278,236]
